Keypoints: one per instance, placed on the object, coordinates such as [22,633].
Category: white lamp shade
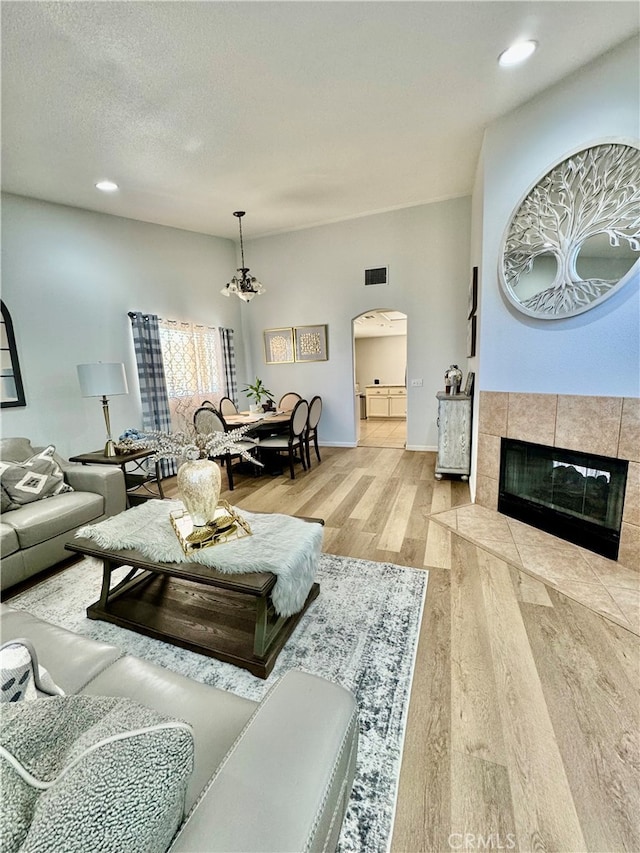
[102,379]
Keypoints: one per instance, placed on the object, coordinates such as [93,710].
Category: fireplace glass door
[576,496]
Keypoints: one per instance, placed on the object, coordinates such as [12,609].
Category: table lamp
[102,380]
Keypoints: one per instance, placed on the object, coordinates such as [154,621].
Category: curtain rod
[133,314]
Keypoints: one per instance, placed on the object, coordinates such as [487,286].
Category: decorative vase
[452,379]
[199,487]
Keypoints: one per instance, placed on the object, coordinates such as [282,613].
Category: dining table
[261,422]
[262,425]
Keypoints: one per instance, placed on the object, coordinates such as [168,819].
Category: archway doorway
[380,368]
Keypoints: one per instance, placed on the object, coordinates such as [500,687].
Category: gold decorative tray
[225,526]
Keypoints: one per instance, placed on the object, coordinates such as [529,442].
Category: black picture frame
[12,390]
[468,385]
[471,337]
[473,293]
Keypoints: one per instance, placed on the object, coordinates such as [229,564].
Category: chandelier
[245,286]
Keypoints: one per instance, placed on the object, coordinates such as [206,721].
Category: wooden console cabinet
[454,435]
[386,401]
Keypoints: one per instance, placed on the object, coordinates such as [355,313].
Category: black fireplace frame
[600,538]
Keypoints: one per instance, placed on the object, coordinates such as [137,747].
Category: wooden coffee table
[229,617]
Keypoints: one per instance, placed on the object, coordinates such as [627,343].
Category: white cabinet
[386,401]
[454,435]
[398,406]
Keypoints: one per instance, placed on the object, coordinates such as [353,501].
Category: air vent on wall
[377,275]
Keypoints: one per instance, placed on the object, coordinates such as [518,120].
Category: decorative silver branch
[187,443]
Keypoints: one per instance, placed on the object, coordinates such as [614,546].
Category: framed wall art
[11,389]
[278,346]
[473,293]
[310,343]
[468,386]
[471,337]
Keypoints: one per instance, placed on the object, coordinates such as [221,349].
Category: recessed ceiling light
[106,186]
[517,53]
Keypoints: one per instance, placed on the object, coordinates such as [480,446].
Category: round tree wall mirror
[574,239]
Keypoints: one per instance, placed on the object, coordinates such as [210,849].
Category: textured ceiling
[298,112]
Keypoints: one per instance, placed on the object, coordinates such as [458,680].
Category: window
[191,359]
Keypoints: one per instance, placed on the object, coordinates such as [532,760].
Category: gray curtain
[153,387]
[229,363]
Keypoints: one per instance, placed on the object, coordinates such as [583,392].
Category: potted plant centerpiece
[199,478]
[262,396]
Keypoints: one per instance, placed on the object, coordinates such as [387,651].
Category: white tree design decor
[594,192]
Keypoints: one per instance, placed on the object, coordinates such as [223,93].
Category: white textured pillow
[35,478]
[21,677]
[83,773]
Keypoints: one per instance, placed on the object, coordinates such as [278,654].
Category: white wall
[595,353]
[316,276]
[383,358]
[69,277]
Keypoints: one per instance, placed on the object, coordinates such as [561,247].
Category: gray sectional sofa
[33,536]
[269,776]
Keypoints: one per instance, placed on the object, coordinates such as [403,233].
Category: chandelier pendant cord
[241,243]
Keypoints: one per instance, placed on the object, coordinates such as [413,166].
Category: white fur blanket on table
[286,546]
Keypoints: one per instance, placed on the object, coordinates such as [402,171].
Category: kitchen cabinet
[386,401]
[454,435]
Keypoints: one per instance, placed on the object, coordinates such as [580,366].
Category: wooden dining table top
[258,418]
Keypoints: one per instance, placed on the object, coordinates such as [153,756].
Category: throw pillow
[35,478]
[21,677]
[85,773]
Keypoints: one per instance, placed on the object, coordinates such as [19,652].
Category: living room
[73,271]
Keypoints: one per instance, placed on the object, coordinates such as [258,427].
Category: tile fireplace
[591,426]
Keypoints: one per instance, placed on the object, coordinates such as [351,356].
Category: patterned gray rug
[362,632]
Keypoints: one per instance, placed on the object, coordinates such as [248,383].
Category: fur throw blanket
[288,547]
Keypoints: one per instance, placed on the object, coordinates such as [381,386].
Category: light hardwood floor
[524,717]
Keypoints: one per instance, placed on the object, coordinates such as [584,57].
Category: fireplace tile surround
[608,426]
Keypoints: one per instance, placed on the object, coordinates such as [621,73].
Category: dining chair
[227,407]
[311,432]
[207,421]
[288,401]
[292,442]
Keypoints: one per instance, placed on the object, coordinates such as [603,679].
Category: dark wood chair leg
[303,455]
[230,472]
[291,469]
[315,443]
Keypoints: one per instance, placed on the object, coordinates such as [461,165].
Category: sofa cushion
[8,540]
[35,478]
[16,448]
[72,660]
[109,775]
[40,521]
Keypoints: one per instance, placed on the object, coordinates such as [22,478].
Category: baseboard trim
[338,444]
[423,447]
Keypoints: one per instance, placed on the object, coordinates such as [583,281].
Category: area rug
[362,631]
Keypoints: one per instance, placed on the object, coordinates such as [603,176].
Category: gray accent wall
[316,275]
[595,353]
[69,277]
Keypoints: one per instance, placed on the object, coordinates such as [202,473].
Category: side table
[135,478]
[454,435]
